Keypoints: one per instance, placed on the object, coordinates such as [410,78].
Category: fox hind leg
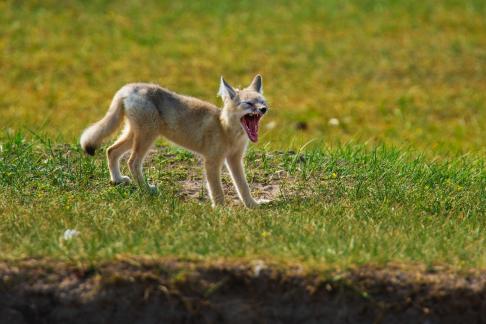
[142,142]
[114,154]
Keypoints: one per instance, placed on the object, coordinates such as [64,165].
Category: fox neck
[231,125]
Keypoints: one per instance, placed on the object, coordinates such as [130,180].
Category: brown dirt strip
[172,291]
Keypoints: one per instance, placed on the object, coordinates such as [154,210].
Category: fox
[220,136]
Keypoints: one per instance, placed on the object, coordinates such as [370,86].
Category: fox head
[246,106]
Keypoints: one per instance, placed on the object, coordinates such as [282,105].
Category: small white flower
[258,266]
[271,125]
[69,234]
[333,122]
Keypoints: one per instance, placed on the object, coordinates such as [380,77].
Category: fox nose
[263,110]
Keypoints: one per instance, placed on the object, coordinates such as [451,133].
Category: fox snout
[262,109]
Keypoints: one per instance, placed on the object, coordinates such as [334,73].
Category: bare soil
[173,291]
[188,181]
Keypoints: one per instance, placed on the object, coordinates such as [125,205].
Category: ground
[372,154]
[141,290]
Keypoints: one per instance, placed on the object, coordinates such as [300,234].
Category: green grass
[339,207]
[407,73]
[401,179]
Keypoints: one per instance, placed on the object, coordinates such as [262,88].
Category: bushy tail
[93,135]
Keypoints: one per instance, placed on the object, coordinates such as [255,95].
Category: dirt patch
[193,189]
[186,175]
[180,291]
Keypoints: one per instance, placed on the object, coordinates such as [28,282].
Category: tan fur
[215,134]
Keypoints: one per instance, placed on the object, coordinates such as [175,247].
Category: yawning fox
[218,135]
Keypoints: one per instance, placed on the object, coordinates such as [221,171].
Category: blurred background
[406,73]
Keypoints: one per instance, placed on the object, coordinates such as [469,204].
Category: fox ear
[257,84]
[225,90]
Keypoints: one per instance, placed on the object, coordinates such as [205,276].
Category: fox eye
[248,103]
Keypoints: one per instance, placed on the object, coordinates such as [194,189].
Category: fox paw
[152,189]
[263,201]
[123,179]
[256,203]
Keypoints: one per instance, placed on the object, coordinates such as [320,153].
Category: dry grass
[410,74]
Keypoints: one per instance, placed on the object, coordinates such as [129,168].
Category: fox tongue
[253,129]
[251,123]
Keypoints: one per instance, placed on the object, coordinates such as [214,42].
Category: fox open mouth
[250,125]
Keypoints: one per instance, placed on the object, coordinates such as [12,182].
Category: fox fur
[219,136]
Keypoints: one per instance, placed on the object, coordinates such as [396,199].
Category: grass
[401,177]
[406,73]
[340,207]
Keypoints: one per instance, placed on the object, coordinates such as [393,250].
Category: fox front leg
[213,177]
[234,164]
